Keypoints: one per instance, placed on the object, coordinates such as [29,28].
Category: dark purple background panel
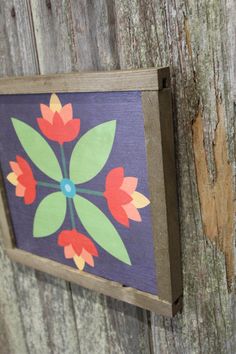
[128,151]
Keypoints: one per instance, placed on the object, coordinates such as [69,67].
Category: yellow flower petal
[79,261]
[12,178]
[139,200]
[55,103]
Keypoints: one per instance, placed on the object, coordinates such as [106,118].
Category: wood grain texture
[159,142]
[90,281]
[127,80]
[12,337]
[6,229]
[216,197]
[196,38]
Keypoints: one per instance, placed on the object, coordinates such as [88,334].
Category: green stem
[71,210]
[63,161]
[50,185]
[89,191]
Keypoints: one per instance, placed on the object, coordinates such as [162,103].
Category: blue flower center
[68,188]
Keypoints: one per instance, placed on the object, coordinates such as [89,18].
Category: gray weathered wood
[190,36]
[117,80]
[193,37]
[10,312]
[158,124]
[25,310]
[114,289]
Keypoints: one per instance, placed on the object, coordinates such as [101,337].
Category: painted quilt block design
[75,172]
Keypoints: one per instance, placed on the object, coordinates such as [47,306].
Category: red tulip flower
[77,246]
[122,198]
[22,177]
[57,122]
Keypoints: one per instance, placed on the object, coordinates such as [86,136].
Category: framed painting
[88,182]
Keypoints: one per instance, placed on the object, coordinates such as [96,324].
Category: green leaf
[91,152]
[100,228]
[49,215]
[38,150]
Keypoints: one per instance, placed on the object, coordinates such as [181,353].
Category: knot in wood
[13,12]
[48,4]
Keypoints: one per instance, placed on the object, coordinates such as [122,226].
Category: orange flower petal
[66,113]
[79,261]
[69,251]
[129,184]
[15,168]
[87,257]
[20,190]
[132,212]
[47,113]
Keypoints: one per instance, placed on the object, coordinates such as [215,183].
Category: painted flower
[57,122]
[22,177]
[90,154]
[122,198]
[77,246]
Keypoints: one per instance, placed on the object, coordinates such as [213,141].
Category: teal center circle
[68,188]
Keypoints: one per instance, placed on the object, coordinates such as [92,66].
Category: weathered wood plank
[190,36]
[18,55]
[127,80]
[53,35]
[109,326]
[231,44]
[157,111]
[33,307]
[114,289]
[12,339]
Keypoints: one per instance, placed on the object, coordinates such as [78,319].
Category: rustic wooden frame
[156,101]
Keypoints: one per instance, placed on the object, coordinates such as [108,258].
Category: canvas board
[88,182]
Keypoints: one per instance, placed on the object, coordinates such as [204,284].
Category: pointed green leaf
[100,228]
[91,152]
[49,215]
[38,150]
